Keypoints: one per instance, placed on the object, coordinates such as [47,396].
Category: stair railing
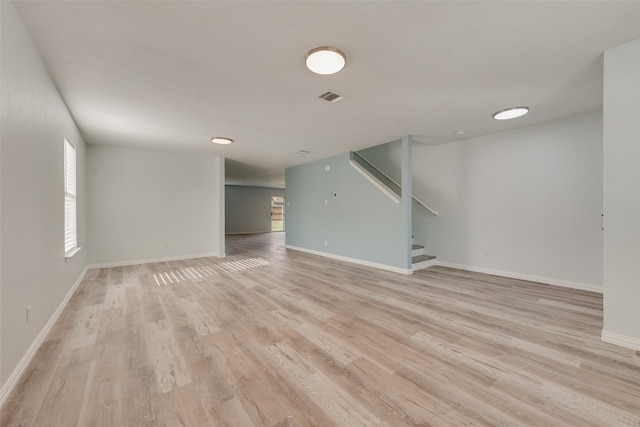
[383,173]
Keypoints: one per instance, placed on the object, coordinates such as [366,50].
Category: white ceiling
[169,75]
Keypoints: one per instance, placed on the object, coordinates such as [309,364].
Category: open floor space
[274,337]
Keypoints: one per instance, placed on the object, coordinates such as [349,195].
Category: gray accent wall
[248,209]
[622,194]
[147,205]
[34,121]
[333,209]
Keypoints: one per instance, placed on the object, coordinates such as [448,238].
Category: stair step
[421,258]
[422,261]
[417,250]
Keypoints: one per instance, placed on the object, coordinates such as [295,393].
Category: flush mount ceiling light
[511,113]
[325,60]
[222,140]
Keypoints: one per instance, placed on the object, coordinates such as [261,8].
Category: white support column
[219,196]
[407,192]
[621,199]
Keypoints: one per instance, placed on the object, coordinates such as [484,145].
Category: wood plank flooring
[272,337]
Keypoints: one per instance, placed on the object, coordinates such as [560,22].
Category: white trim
[365,173]
[424,264]
[527,277]
[152,260]
[353,260]
[632,343]
[17,373]
[72,252]
[418,201]
[233,233]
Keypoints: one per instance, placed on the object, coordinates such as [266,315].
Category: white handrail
[420,202]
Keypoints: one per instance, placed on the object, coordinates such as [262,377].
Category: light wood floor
[308,341]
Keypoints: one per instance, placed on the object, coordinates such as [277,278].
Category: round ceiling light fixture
[222,140]
[511,113]
[325,60]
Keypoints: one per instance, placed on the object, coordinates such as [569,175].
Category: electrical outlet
[326,243]
[326,202]
[29,309]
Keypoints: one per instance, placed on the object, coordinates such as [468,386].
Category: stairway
[419,260]
[393,190]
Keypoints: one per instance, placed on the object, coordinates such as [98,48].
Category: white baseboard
[152,260]
[353,260]
[632,343]
[234,233]
[17,373]
[527,277]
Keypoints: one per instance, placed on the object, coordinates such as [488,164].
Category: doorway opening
[277,213]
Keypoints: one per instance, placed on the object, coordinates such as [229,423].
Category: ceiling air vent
[331,97]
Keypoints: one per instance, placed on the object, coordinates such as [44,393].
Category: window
[70,223]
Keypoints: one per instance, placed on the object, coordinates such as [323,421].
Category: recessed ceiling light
[222,140]
[511,113]
[303,152]
[459,132]
[325,60]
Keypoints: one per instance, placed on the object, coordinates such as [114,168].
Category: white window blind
[70,224]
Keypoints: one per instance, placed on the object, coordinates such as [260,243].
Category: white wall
[527,202]
[146,205]
[33,270]
[622,195]
[248,209]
